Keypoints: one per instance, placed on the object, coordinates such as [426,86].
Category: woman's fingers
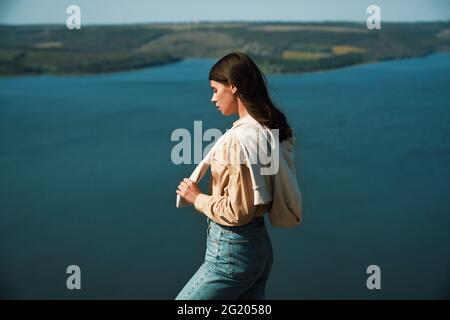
[183,186]
[188,189]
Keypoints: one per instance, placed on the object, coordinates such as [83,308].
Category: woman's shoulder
[230,151]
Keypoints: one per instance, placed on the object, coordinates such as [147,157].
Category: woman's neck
[242,110]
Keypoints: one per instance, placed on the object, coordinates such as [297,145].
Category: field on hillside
[277,47]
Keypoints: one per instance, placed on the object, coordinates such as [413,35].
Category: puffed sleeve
[234,206]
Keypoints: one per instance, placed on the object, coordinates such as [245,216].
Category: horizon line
[223,21]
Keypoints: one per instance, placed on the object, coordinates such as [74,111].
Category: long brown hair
[238,69]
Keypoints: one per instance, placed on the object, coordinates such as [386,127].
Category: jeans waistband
[256,222]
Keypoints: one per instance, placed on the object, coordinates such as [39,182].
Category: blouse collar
[245,119]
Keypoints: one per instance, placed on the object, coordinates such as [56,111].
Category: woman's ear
[233,89]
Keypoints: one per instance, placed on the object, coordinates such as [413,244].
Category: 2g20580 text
[246,309]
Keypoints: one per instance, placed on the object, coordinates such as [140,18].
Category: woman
[239,256]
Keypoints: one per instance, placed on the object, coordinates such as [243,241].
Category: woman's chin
[226,114]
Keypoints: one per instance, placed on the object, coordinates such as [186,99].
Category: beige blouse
[231,201]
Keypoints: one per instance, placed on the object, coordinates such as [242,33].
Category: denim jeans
[237,263]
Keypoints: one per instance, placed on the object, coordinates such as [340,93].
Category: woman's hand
[188,190]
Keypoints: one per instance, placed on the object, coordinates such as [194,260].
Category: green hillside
[277,47]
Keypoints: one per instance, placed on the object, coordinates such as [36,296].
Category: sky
[147,11]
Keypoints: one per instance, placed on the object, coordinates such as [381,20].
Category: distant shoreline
[191,58]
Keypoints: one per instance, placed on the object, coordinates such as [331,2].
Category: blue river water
[86,179]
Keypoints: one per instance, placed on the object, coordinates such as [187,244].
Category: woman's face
[224,98]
